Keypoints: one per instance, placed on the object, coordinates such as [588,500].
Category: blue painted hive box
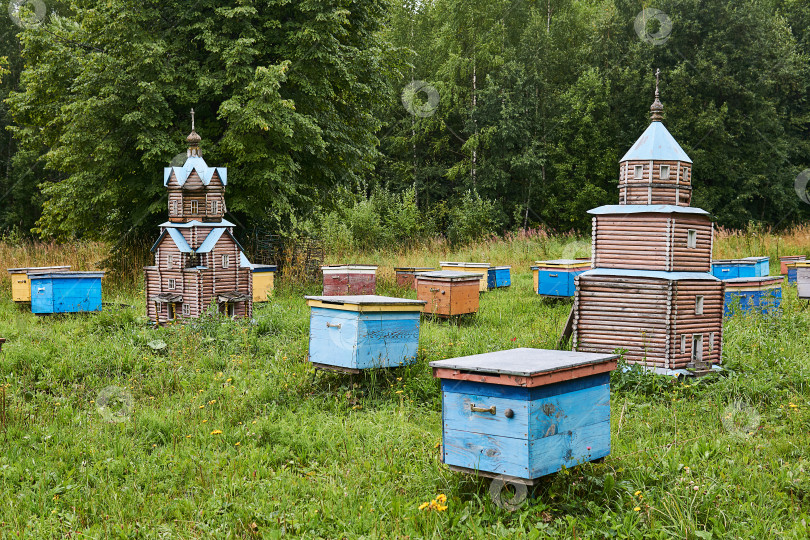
[556,278]
[739,268]
[352,333]
[757,294]
[65,292]
[499,276]
[524,413]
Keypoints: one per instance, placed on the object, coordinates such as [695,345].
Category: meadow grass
[231,434]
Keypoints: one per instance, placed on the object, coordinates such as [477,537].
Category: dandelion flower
[423,506]
[442,498]
[637,509]
[637,493]
[238,444]
[216,432]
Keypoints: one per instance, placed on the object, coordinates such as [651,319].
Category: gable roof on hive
[213,237]
[177,237]
[198,164]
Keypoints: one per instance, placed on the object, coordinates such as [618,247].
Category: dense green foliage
[526,106]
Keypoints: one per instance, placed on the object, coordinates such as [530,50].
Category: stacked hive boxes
[651,291]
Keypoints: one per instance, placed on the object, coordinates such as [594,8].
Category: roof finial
[192,110]
[193,140]
[656,109]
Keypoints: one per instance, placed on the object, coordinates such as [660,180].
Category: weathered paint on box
[65,292]
[761,294]
[803,279]
[448,293]
[20,284]
[264,276]
[406,276]
[520,431]
[349,279]
[556,277]
[784,260]
[363,332]
[499,276]
[481,269]
[739,268]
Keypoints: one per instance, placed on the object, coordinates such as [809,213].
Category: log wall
[651,188]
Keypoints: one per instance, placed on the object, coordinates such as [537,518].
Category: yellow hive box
[469,268]
[21,286]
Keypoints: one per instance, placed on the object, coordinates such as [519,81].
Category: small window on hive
[215,207]
[638,172]
[699,304]
[169,260]
[711,341]
[226,261]
[697,347]
[691,238]
[664,172]
[171,208]
[195,207]
[172,283]
[186,309]
[683,344]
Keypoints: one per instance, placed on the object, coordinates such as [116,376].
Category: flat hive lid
[38,269]
[464,264]
[259,268]
[798,264]
[349,267]
[753,281]
[413,268]
[564,263]
[652,274]
[451,275]
[500,268]
[365,302]
[793,257]
[65,275]
[736,262]
[523,362]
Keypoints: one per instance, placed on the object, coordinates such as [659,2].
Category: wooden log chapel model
[650,290]
[198,261]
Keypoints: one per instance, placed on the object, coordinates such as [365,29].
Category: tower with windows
[199,264]
[650,291]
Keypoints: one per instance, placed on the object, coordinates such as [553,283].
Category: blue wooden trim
[569,448]
[489,453]
[520,392]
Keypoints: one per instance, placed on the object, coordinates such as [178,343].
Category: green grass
[339,456]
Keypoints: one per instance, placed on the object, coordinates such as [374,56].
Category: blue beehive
[524,413]
[757,294]
[738,268]
[65,292]
[352,333]
[556,278]
[499,276]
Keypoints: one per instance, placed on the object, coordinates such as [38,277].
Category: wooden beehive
[499,276]
[480,269]
[524,413]
[665,320]
[352,333]
[669,238]
[21,285]
[787,259]
[803,278]
[448,293]
[349,279]
[738,268]
[65,292]
[198,261]
[753,294]
[650,293]
[406,276]
[555,278]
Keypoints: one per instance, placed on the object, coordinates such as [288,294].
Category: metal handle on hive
[552,275]
[330,325]
[491,410]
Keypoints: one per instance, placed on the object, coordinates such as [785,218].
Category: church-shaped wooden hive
[198,261]
[650,290]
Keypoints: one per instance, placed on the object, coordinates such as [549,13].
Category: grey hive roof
[656,143]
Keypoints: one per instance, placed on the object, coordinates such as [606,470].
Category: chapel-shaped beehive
[198,261]
[651,292]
